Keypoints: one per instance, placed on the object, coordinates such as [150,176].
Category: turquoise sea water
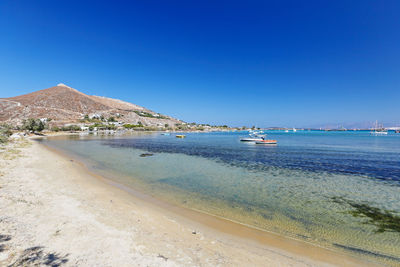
[336,189]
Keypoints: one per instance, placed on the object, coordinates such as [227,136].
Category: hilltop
[62,105]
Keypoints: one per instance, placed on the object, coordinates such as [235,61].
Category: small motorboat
[267,142]
[251,139]
[180,136]
[165,133]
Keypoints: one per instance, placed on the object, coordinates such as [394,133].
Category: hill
[63,104]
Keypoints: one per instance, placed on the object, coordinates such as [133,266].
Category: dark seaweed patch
[384,220]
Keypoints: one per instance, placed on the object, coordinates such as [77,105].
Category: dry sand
[54,212]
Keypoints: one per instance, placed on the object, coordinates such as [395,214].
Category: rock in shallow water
[146,155]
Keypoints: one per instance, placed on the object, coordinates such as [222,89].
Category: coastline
[89,221]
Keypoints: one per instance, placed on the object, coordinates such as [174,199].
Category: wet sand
[54,208]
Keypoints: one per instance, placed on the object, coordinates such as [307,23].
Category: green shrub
[131,126]
[33,125]
[149,115]
[111,127]
[5,132]
[71,128]
[5,129]
[101,126]
[3,139]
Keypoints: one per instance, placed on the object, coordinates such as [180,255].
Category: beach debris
[37,256]
[4,247]
[162,257]
[4,238]
[146,155]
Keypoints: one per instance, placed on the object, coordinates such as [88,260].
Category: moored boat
[379,133]
[250,139]
[180,136]
[379,130]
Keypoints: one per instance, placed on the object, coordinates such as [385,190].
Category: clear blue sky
[264,63]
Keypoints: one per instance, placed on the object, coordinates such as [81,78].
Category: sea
[339,190]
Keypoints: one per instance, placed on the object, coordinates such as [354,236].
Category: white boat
[379,130]
[294,130]
[379,133]
[251,139]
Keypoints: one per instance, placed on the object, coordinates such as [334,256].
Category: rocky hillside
[63,104]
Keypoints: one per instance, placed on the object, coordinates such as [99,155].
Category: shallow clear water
[337,189]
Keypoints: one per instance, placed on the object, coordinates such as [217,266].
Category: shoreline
[237,244]
[244,232]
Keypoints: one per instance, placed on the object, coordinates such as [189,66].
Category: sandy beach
[53,211]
